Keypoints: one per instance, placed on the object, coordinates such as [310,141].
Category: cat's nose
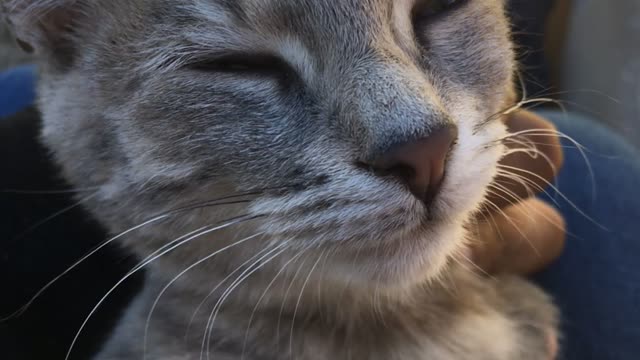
[420,164]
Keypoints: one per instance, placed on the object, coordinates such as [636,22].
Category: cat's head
[364,129]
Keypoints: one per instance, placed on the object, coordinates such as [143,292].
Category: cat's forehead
[323,28]
[292,10]
[312,35]
[301,17]
[317,22]
[299,30]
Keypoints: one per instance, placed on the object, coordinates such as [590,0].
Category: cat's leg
[499,318]
[532,313]
[469,318]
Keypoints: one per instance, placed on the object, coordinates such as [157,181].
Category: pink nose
[420,164]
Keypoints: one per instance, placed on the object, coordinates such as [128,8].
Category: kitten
[297,174]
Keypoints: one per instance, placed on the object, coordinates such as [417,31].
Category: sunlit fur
[352,265]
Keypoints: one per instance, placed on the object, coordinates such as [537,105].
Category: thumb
[524,238]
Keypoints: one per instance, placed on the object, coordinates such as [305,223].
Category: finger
[524,173]
[522,239]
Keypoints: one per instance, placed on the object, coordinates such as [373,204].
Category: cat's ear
[46,27]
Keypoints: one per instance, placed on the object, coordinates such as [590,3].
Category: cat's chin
[405,261]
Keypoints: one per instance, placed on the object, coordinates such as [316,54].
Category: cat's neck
[303,291]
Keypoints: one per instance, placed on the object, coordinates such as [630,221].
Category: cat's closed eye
[246,64]
[427,9]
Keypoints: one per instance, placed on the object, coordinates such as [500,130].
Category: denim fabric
[596,282]
[16,89]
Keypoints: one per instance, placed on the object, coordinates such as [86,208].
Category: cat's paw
[534,315]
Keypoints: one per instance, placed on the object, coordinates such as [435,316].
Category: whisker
[377,296]
[543,98]
[543,132]
[31,228]
[286,295]
[529,185]
[537,211]
[104,244]
[348,281]
[516,200]
[525,182]
[143,264]
[537,101]
[575,91]
[515,226]
[476,266]
[48,192]
[493,220]
[321,281]
[295,311]
[206,341]
[513,196]
[282,269]
[582,149]
[452,289]
[557,191]
[507,111]
[562,104]
[176,278]
[534,154]
[201,304]
[531,142]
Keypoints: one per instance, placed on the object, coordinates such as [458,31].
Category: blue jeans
[596,282]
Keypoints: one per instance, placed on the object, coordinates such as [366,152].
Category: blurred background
[584,54]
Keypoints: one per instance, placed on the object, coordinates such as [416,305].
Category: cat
[298,176]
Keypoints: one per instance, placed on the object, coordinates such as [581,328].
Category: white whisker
[77,204]
[282,269]
[106,243]
[286,296]
[206,258]
[48,192]
[206,341]
[143,265]
[201,304]
[69,269]
[557,191]
[515,226]
[295,311]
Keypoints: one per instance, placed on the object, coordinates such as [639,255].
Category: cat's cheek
[474,160]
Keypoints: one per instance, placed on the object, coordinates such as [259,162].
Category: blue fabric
[597,280]
[17,89]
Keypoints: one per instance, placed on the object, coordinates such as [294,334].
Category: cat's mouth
[391,220]
[356,210]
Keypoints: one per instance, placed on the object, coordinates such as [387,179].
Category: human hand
[516,232]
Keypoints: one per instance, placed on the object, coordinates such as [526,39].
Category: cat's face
[160,103]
